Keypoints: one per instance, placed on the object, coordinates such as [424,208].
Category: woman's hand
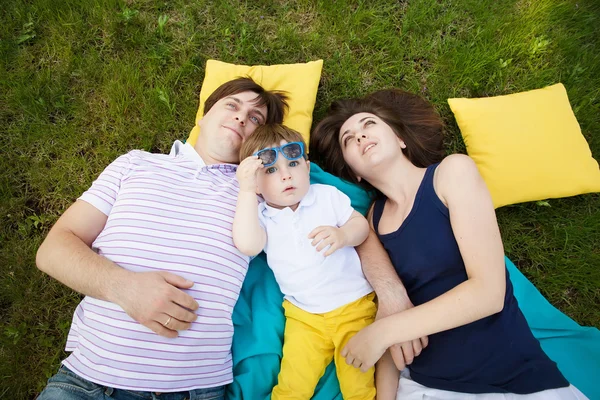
[246,173]
[365,348]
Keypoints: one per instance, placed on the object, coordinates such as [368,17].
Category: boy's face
[284,183]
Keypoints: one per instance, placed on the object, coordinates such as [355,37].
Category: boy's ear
[308,165]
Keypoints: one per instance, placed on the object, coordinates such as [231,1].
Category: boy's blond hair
[268,135]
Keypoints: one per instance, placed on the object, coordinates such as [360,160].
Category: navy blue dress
[495,354]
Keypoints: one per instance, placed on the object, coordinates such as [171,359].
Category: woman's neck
[398,181]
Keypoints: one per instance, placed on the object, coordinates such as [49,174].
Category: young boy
[309,233]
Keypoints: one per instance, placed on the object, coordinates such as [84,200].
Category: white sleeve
[341,206]
[104,190]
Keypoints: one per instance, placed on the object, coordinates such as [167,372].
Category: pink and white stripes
[170,213]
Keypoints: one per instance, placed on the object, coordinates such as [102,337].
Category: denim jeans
[67,385]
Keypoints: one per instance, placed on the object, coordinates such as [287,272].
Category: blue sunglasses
[291,151]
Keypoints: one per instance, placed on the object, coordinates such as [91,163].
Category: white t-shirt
[309,280]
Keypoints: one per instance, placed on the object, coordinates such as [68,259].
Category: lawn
[82,82]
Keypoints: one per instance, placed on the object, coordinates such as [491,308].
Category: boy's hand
[246,173]
[331,236]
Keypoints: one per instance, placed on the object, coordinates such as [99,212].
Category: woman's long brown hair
[411,117]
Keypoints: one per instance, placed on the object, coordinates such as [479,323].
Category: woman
[436,220]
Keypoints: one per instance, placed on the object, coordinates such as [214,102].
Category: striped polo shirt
[165,213]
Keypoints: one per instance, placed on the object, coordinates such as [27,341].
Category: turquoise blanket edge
[259,323]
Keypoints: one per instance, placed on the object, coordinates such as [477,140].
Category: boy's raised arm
[248,236]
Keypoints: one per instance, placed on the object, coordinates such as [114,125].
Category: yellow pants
[311,341]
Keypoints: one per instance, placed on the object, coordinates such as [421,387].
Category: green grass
[82,82]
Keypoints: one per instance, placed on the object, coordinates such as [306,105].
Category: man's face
[228,123]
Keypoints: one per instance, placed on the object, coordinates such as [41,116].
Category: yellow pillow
[528,146]
[300,81]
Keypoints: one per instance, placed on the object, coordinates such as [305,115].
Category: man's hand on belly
[155,300]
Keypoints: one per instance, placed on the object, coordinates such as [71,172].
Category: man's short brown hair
[268,135]
[275,100]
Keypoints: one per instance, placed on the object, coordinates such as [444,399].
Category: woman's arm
[459,184]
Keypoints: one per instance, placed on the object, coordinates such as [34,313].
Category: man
[150,246]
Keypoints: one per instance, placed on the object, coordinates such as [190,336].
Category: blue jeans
[67,385]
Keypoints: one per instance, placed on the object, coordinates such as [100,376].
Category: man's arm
[386,377]
[391,293]
[380,273]
[66,254]
[150,297]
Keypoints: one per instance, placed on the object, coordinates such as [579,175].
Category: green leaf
[26,37]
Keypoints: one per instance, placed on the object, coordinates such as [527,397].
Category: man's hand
[331,236]
[155,300]
[246,173]
[402,353]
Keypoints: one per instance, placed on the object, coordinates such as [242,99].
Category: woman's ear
[358,178]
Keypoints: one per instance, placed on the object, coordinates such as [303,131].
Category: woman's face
[367,141]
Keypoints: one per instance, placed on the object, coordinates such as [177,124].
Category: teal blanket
[259,321]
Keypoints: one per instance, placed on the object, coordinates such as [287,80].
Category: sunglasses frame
[280,150]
